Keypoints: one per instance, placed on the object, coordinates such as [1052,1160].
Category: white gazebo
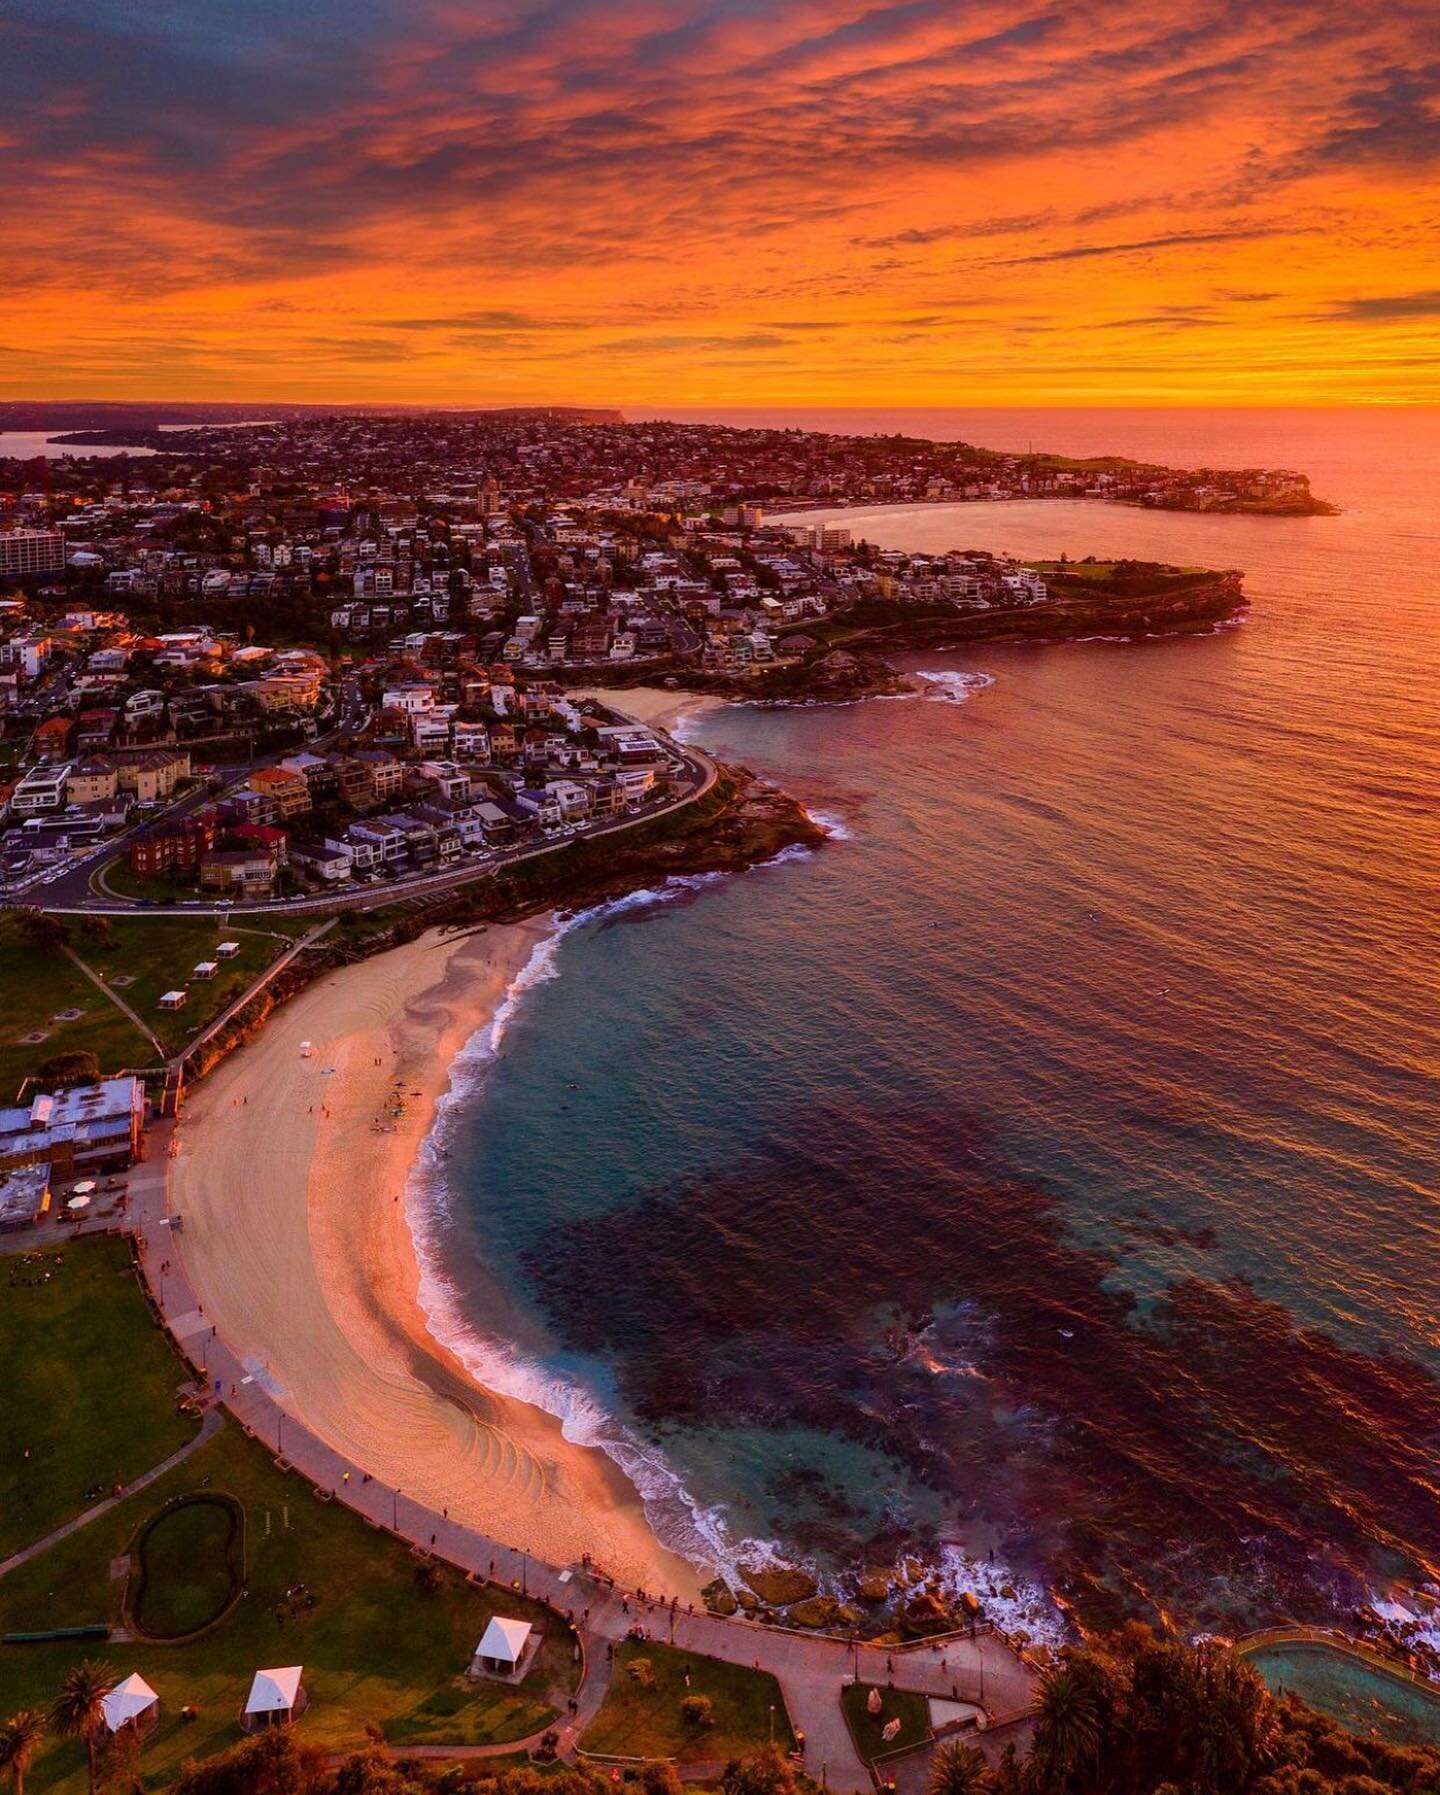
[503,1646]
[131,1703]
[275,1699]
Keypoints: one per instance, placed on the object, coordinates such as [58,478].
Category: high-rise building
[31,551]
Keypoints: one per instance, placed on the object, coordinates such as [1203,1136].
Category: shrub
[697,1711]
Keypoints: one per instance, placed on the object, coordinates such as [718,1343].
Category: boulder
[815,1611]
[718,1598]
[874,1587]
[778,1585]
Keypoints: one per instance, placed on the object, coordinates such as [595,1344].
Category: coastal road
[699,772]
[811,1669]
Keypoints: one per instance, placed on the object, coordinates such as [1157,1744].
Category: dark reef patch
[1251,1467]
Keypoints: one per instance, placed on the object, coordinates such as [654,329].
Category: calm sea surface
[1048,1167]
[44,445]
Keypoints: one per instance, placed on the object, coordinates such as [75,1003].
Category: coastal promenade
[811,1669]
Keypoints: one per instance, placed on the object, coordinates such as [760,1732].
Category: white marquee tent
[127,1701]
[274,1695]
[503,1645]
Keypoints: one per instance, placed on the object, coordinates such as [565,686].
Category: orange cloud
[671,202]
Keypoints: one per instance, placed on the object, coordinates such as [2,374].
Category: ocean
[45,445]
[1039,1179]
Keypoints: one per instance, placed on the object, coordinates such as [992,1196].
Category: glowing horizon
[682,203]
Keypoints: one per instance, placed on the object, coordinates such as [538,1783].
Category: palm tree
[958,1769]
[1067,1728]
[79,1711]
[19,1740]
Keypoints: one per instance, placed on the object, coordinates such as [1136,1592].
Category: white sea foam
[1014,1603]
[956,688]
[1415,1621]
[834,826]
[696,1532]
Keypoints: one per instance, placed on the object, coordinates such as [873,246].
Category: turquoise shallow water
[1046,1168]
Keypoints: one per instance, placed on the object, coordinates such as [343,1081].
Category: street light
[772,1723]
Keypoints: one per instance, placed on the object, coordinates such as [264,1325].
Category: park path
[209,1426]
[810,1668]
[130,1015]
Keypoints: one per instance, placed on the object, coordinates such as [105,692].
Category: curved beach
[290,1179]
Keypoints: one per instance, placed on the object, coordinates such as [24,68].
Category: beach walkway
[810,1668]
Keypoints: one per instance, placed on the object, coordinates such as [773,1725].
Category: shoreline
[314,1277]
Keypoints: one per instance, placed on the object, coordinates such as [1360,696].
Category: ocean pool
[1357,1691]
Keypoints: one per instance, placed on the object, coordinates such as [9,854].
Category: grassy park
[868,1730]
[139,958]
[384,1641]
[39,988]
[382,1644]
[89,1390]
[643,1713]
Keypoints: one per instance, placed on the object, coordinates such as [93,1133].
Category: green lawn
[37,987]
[159,953]
[647,1723]
[66,1424]
[149,955]
[377,1649]
[1081,570]
[187,1567]
[867,1729]
[115,876]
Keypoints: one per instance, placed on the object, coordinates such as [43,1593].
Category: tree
[1067,1729]
[63,1069]
[79,1711]
[46,934]
[697,1711]
[958,1769]
[98,931]
[765,1773]
[272,1763]
[19,1740]
[660,1779]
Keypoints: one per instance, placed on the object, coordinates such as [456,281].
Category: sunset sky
[693,202]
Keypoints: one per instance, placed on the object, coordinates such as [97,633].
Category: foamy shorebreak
[290,1181]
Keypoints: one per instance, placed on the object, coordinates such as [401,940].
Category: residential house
[248,873]
[289,790]
[93,781]
[52,738]
[42,789]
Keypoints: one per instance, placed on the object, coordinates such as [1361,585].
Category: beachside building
[24,1196]
[87,1127]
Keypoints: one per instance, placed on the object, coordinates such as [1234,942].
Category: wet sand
[290,1180]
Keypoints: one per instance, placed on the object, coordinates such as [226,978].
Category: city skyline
[655,203]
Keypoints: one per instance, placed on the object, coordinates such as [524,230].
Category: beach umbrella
[78,1203]
[84,1187]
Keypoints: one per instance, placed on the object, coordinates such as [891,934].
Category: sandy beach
[290,1180]
[660,708]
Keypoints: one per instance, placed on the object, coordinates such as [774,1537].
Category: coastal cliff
[1184,605]
[846,660]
